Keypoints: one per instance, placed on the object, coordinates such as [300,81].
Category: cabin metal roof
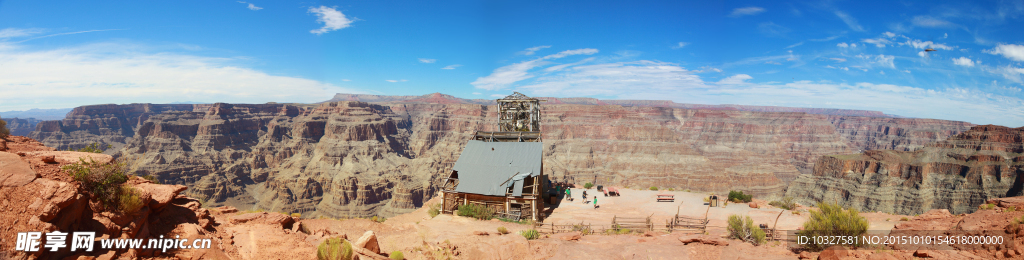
[489,168]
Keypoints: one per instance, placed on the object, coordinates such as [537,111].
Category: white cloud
[889,34]
[906,71]
[1010,51]
[680,45]
[346,80]
[735,79]
[563,66]
[945,35]
[838,59]
[531,50]
[963,61]
[772,29]
[879,42]
[507,75]
[850,21]
[477,93]
[1009,72]
[251,6]
[707,69]
[922,54]
[926,44]
[451,67]
[615,79]
[928,21]
[794,45]
[750,10]
[881,59]
[773,62]
[126,73]
[422,60]
[395,80]
[15,32]
[843,45]
[331,18]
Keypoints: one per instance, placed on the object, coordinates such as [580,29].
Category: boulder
[272,218]
[48,159]
[703,239]
[571,236]
[71,157]
[15,172]
[752,205]
[226,209]
[369,241]
[805,255]
[834,253]
[160,194]
[3,145]
[934,214]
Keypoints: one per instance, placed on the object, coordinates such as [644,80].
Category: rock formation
[21,126]
[358,159]
[956,174]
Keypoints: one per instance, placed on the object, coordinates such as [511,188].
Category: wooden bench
[666,198]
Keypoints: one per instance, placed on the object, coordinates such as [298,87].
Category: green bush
[93,148]
[128,199]
[476,211]
[334,249]
[434,210]
[588,185]
[738,196]
[654,188]
[530,234]
[102,181]
[744,229]
[987,206]
[832,220]
[151,178]
[786,203]
[4,132]
[502,230]
[397,255]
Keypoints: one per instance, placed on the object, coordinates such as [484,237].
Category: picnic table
[611,191]
[666,197]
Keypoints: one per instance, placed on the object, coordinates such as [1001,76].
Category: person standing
[595,202]
[568,193]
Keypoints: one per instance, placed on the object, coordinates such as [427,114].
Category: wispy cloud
[680,45]
[422,60]
[504,76]
[963,61]
[750,10]
[735,79]
[844,45]
[451,67]
[931,22]
[794,45]
[925,44]
[881,59]
[878,42]
[850,21]
[131,73]
[532,50]
[838,59]
[67,33]
[1010,51]
[18,32]
[826,38]
[332,19]
[395,80]
[772,29]
[251,6]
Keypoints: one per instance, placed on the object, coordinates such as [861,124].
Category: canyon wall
[957,174]
[352,158]
[21,126]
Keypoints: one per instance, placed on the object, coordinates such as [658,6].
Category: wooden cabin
[508,177]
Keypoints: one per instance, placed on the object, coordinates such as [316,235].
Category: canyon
[366,155]
[956,174]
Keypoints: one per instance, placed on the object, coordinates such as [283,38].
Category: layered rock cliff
[21,126]
[349,158]
[956,174]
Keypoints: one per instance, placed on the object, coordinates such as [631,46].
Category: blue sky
[829,54]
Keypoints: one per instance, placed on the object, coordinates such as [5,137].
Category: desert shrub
[502,230]
[583,229]
[588,185]
[93,148]
[786,203]
[671,189]
[744,229]
[434,210]
[4,132]
[530,234]
[397,255]
[654,188]
[904,219]
[832,220]
[987,206]
[738,196]
[476,211]
[334,249]
[102,181]
[151,178]
[1011,209]
[297,215]
[128,199]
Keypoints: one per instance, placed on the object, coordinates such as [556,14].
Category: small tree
[738,196]
[4,132]
[744,229]
[588,185]
[832,220]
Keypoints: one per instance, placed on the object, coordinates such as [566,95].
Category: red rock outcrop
[957,174]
